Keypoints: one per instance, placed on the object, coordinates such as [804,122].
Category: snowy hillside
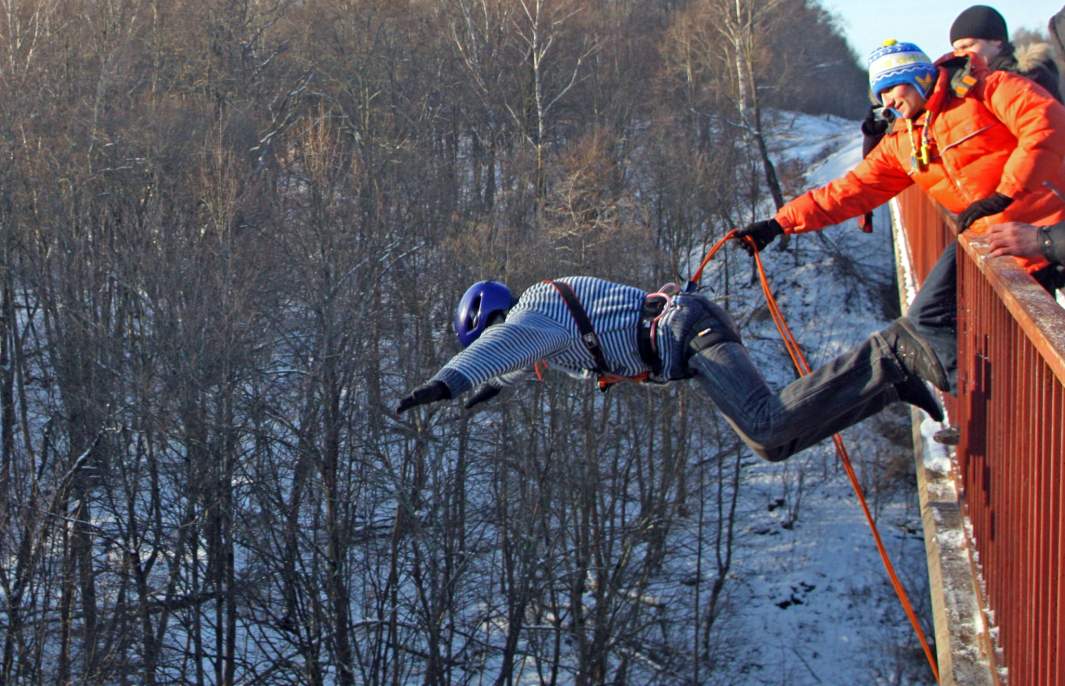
[810,602]
[234,238]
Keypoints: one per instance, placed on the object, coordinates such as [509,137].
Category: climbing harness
[803,367]
[590,340]
[661,301]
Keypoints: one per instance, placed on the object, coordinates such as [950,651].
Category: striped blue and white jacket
[540,327]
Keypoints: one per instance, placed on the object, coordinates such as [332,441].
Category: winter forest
[233,232]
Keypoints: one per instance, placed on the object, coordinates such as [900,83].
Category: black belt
[652,307]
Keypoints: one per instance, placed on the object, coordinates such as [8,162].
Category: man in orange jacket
[981,30]
[986,145]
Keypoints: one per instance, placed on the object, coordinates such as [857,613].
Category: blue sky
[925,22]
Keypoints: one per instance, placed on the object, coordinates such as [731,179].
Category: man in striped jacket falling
[591,328]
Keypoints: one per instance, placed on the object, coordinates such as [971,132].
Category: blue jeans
[934,310]
[855,385]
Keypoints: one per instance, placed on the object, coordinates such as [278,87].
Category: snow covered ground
[810,602]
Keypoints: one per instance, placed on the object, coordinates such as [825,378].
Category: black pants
[855,385]
[934,310]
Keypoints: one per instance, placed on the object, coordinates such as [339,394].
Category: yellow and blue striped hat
[894,63]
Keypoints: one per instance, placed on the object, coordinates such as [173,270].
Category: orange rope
[803,367]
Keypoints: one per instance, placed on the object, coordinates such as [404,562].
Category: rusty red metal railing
[1010,408]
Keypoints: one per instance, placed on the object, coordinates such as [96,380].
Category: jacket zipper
[1054,189]
[952,173]
[963,139]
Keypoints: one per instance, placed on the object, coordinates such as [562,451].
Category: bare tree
[232,235]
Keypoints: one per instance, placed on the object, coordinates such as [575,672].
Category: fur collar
[1034,56]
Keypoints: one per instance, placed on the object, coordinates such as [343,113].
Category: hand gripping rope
[803,367]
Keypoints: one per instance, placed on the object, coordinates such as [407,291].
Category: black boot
[913,391]
[947,436]
[915,356]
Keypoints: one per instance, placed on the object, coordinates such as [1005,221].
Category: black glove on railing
[762,233]
[429,393]
[992,204]
[484,393]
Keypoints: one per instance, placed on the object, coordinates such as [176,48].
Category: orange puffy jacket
[987,132]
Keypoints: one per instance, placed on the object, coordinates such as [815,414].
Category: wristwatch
[1046,243]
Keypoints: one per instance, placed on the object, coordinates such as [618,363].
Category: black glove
[876,122]
[762,233]
[429,393]
[992,204]
[874,127]
[484,393]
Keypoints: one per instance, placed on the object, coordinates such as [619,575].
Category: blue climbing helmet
[894,63]
[479,303]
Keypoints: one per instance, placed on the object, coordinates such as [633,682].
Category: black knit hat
[979,21]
